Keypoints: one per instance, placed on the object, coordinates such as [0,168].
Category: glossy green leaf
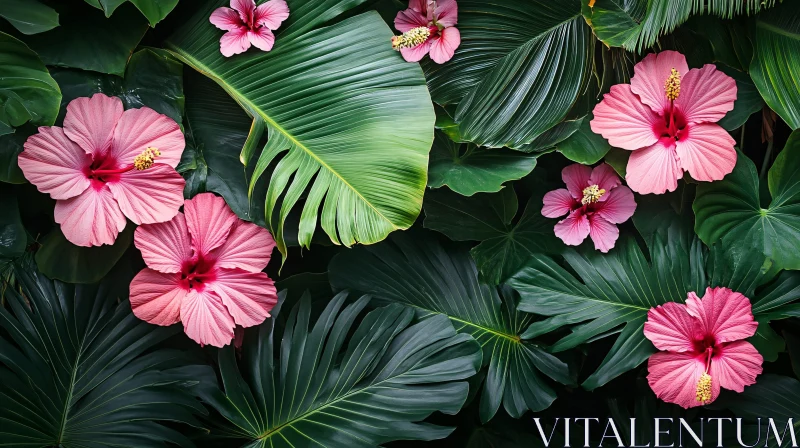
[731,208]
[307,386]
[78,370]
[584,146]
[154,10]
[416,271]
[59,259]
[358,134]
[520,67]
[13,238]
[489,218]
[29,16]
[10,147]
[618,159]
[549,139]
[88,40]
[776,63]
[27,91]
[468,169]
[748,100]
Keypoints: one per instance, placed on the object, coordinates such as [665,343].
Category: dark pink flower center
[103,168]
[197,272]
[672,127]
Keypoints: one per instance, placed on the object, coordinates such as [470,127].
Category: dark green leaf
[555,135]
[468,169]
[154,10]
[584,146]
[61,260]
[418,272]
[88,40]
[78,370]
[748,100]
[520,67]
[13,238]
[731,208]
[356,133]
[304,387]
[27,91]
[29,16]
[618,159]
[10,147]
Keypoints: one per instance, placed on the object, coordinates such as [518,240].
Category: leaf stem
[767,158]
[741,139]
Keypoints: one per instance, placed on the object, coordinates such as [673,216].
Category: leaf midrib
[249,106]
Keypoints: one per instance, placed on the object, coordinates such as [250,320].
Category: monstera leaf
[731,210]
[308,387]
[354,120]
[79,370]
[418,272]
[520,67]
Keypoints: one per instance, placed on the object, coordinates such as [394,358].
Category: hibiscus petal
[673,377]
[247,247]
[226,19]
[90,122]
[446,12]
[205,319]
[209,220]
[234,42]
[651,74]
[415,54]
[603,233]
[418,5]
[574,229]
[737,367]
[55,164]
[444,46]
[670,327]
[245,8]
[263,39]
[248,296]
[618,206]
[409,19]
[654,169]
[139,129]
[706,95]
[707,152]
[149,196]
[576,176]
[605,178]
[723,313]
[624,120]
[91,218]
[557,203]
[156,297]
[164,246]
[271,14]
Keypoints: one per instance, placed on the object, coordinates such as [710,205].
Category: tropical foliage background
[423,296]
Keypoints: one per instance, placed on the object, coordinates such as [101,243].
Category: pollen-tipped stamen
[146,159]
[411,38]
[592,194]
[672,86]
[703,393]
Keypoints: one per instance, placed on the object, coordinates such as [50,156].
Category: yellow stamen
[592,194]
[146,159]
[672,86]
[704,388]
[411,38]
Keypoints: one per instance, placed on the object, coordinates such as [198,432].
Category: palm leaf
[306,387]
[354,120]
[77,369]
[418,272]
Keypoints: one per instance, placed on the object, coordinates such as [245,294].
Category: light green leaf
[416,271]
[776,63]
[29,16]
[730,209]
[321,391]
[520,67]
[584,146]
[354,120]
[468,169]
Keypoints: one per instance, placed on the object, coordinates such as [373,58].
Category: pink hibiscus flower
[104,165]
[667,117]
[595,202]
[204,269]
[248,25]
[428,26]
[703,347]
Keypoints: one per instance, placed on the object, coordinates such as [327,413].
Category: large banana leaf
[305,387]
[354,119]
[79,370]
[520,67]
[416,271]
